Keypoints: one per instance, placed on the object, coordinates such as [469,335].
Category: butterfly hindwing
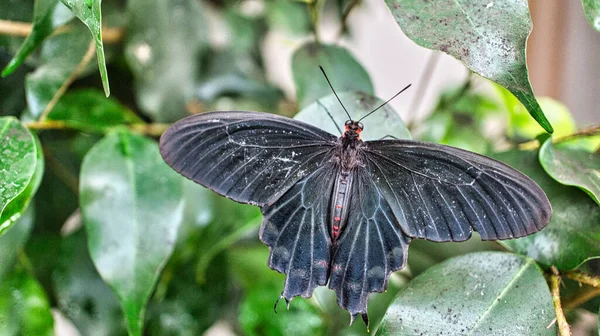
[295,228]
[439,193]
[371,246]
[247,156]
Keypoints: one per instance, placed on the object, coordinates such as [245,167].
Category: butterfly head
[353,129]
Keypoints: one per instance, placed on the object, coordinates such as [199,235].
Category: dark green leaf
[24,306]
[489,37]
[81,294]
[132,206]
[21,169]
[592,12]
[344,71]
[164,40]
[60,56]
[44,22]
[89,111]
[12,99]
[487,293]
[88,11]
[13,241]
[573,167]
[14,10]
[384,122]
[573,234]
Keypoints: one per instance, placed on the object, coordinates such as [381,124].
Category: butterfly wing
[295,229]
[371,246]
[249,157]
[439,193]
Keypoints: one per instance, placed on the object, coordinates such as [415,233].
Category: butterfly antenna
[387,101]
[336,96]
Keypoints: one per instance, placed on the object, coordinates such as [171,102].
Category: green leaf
[88,11]
[13,241]
[487,293]
[290,16]
[163,46]
[573,234]
[344,71]
[44,22]
[572,167]
[384,122]
[24,306]
[60,56]
[21,170]
[592,12]
[489,37]
[89,111]
[81,294]
[132,205]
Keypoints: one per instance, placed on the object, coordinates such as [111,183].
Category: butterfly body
[342,211]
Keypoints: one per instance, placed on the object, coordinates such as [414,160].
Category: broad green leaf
[89,111]
[573,167]
[21,170]
[573,234]
[46,17]
[163,45]
[486,293]
[132,206]
[344,71]
[60,56]
[13,241]
[384,122]
[489,37]
[81,294]
[290,16]
[88,11]
[592,12]
[24,306]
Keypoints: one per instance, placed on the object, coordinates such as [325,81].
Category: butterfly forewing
[439,192]
[248,157]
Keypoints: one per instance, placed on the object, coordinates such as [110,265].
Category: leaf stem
[588,131]
[581,277]
[63,88]
[563,326]
[345,14]
[23,29]
[422,85]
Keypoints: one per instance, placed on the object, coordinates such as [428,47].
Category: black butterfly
[342,210]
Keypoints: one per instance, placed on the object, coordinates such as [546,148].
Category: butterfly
[342,211]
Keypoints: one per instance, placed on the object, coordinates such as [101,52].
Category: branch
[153,130]
[581,298]
[587,279]
[589,131]
[563,326]
[23,29]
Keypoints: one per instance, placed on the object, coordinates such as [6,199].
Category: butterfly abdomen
[339,203]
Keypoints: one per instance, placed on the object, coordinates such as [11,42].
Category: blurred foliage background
[99,237]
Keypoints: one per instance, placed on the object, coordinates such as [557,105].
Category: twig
[587,279]
[89,54]
[147,129]
[563,326]
[345,14]
[581,298]
[23,29]
[588,131]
